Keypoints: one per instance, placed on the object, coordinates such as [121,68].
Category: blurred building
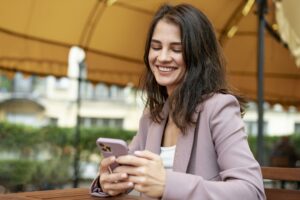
[277,119]
[40,101]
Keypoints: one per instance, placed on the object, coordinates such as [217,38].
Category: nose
[164,56]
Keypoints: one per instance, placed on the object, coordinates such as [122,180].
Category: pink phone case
[112,147]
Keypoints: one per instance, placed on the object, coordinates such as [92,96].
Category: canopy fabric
[35,38]
[288,16]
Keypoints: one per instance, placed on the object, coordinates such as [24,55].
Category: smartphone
[112,147]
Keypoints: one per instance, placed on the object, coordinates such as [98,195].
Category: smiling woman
[191,142]
[165,55]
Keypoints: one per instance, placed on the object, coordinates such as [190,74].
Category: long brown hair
[203,57]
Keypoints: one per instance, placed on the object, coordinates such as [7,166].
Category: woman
[191,142]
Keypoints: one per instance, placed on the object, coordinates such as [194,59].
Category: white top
[167,154]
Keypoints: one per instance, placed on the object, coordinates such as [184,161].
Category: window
[297,127]
[251,127]
[22,84]
[22,118]
[116,93]
[101,91]
[62,83]
[86,122]
[86,90]
[102,122]
[39,85]
[52,121]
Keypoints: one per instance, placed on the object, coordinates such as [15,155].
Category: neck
[171,133]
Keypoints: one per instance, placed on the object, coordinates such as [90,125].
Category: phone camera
[105,148]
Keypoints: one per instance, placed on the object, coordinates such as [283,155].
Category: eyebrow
[172,43]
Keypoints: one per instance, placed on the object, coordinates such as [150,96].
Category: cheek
[181,60]
[151,57]
[183,65]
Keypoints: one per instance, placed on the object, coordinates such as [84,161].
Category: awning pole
[77,129]
[262,7]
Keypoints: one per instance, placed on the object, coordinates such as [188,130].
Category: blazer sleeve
[137,143]
[239,172]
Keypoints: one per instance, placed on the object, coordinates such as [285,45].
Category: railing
[282,174]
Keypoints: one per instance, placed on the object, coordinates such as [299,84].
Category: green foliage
[269,143]
[56,147]
[6,84]
[17,136]
[16,172]
[39,174]
[52,172]
[295,139]
[44,156]
[60,137]
[89,136]
[14,137]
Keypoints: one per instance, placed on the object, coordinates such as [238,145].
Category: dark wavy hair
[205,73]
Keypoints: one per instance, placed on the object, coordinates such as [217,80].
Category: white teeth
[166,69]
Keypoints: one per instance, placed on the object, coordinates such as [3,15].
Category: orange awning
[35,37]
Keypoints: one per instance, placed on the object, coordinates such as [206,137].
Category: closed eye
[176,47]
[177,50]
[155,48]
[155,45]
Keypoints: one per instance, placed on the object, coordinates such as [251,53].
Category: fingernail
[124,175]
[113,158]
[130,184]
[137,152]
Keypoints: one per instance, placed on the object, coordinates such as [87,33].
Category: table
[65,194]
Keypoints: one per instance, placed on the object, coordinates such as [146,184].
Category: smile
[166,69]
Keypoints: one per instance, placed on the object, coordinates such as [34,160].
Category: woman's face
[166,55]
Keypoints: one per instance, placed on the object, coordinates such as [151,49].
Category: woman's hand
[113,183]
[146,171]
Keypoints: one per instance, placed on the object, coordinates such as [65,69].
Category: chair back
[281,174]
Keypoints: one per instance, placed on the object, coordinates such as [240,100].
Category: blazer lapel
[183,150]
[155,132]
[184,145]
[154,137]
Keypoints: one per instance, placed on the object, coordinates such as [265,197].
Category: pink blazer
[214,163]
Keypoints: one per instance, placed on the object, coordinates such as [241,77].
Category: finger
[105,163]
[131,160]
[114,177]
[147,155]
[139,180]
[113,193]
[120,186]
[140,188]
[130,170]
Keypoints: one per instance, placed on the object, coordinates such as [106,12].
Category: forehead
[166,30]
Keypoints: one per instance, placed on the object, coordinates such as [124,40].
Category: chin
[163,83]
